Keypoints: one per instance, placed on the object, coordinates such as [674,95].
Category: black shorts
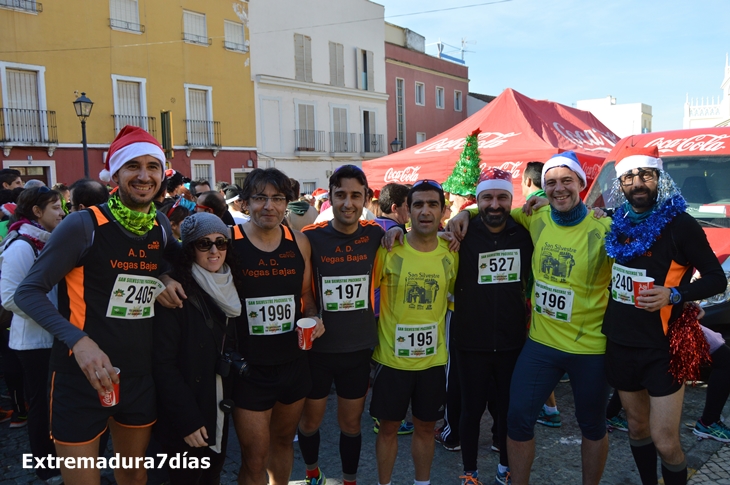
[633,369]
[266,385]
[77,416]
[394,389]
[350,372]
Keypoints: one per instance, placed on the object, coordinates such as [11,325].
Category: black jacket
[185,356]
[491,317]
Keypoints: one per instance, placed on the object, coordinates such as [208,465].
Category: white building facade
[319,78]
[706,112]
[623,119]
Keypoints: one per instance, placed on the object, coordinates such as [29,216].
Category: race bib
[499,267]
[133,297]
[270,315]
[622,283]
[416,341]
[553,302]
[345,293]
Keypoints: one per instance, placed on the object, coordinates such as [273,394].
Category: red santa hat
[495,178]
[320,194]
[131,142]
[631,157]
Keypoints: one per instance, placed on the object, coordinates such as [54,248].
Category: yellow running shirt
[413,300]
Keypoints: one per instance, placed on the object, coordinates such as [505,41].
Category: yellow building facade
[135,59]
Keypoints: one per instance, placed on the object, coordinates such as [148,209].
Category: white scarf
[219,286]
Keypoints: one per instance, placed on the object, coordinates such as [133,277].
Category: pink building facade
[427,95]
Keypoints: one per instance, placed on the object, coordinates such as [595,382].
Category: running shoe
[617,422]
[502,479]
[449,444]
[549,420]
[19,420]
[470,479]
[406,427]
[716,431]
[318,480]
[5,415]
[565,378]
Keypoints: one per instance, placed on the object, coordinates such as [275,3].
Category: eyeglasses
[432,183]
[204,245]
[204,208]
[262,199]
[174,206]
[627,179]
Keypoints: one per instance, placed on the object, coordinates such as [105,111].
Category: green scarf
[135,222]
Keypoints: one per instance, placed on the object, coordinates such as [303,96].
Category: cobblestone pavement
[557,459]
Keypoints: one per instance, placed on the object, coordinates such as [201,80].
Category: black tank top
[114,279]
[272,303]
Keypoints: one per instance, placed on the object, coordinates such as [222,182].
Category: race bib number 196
[416,340]
[553,301]
[622,283]
[133,297]
[345,293]
[270,315]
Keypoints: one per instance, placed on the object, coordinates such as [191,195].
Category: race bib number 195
[133,297]
[416,340]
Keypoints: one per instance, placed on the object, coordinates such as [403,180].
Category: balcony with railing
[30,6]
[196,39]
[148,123]
[308,141]
[120,24]
[343,142]
[203,134]
[27,127]
[235,46]
[374,144]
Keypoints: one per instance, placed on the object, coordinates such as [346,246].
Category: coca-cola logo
[592,171]
[512,167]
[697,143]
[406,176]
[484,140]
[590,140]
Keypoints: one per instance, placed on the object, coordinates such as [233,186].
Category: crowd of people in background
[164,307]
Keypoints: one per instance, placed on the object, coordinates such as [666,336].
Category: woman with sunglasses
[37,214]
[190,343]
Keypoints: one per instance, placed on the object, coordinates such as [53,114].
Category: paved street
[557,459]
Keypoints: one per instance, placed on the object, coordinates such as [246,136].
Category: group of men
[330,271]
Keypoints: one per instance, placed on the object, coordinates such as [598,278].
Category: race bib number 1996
[133,297]
[270,315]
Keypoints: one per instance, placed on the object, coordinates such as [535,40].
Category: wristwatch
[674,297]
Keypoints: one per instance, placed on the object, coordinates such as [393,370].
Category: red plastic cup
[305,329]
[110,399]
[641,283]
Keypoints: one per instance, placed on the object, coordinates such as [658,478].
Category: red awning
[515,130]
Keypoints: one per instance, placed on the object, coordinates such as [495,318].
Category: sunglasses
[204,245]
[432,183]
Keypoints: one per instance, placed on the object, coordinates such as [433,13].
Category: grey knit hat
[200,225]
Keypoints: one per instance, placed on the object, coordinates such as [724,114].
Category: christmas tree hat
[463,180]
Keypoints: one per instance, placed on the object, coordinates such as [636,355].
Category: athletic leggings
[480,371]
[718,387]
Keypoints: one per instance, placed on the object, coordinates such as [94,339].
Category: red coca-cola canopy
[515,130]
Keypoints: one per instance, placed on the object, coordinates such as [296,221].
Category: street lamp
[395,145]
[83,106]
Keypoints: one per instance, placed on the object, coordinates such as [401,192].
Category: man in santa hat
[652,236]
[493,273]
[106,261]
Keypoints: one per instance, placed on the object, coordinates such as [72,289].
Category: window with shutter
[124,15]
[303,58]
[337,64]
[341,141]
[400,111]
[23,120]
[457,100]
[195,28]
[420,94]
[439,97]
[199,123]
[235,36]
[369,71]
[306,135]
[129,110]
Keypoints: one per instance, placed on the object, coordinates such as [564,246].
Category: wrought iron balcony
[203,134]
[234,46]
[373,144]
[343,142]
[308,141]
[23,5]
[124,25]
[197,39]
[28,126]
[148,123]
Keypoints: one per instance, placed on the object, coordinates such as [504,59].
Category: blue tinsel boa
[640,236]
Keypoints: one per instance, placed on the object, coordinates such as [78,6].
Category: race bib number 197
[133,297]
[345,293]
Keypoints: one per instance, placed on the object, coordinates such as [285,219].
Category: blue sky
[648,51]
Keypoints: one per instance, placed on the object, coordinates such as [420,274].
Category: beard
[494,218]
[650,200]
